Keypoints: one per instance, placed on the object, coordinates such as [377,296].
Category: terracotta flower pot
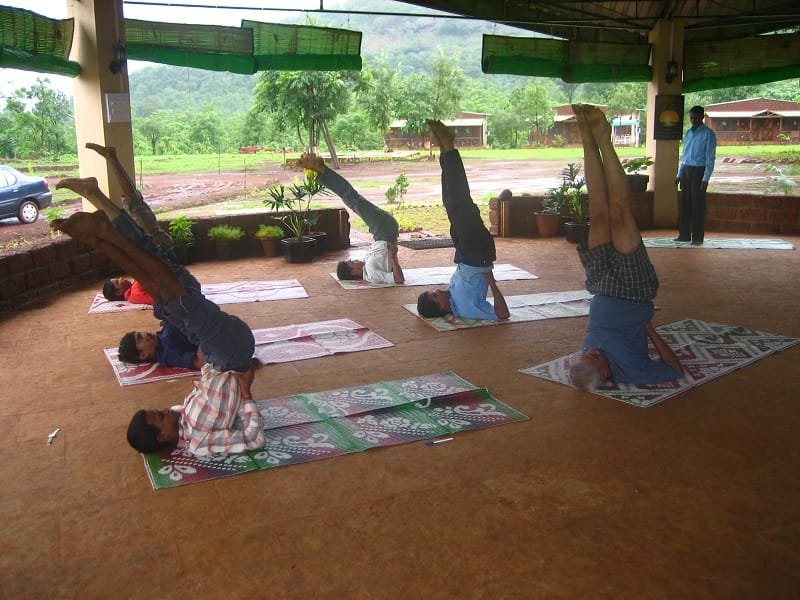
[547,224]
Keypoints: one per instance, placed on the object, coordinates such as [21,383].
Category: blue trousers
[226,340]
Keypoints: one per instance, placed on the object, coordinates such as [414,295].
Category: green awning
[574,62]
[748,61]
[279,47]
[31,42]
[209,47]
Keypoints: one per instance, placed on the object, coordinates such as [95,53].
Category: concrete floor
[696,497]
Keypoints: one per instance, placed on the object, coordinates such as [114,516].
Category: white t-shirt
[376,263]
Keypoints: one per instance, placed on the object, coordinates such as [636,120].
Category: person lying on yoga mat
[218,415]
[465,296]
[618,272]
[168,346]
[118,289]
[380,264]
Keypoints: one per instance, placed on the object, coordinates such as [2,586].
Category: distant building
[754,121]
[471,131]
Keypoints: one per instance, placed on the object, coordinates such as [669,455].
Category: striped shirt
[699,150]
[215,419]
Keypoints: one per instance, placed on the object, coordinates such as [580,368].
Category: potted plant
[548,219]
[636,179]
[270,237]
[224,237]
[300,247]
[180,230]
[570,196]
[577,227]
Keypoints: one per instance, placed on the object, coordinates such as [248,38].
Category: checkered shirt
[215,418]
[627,276]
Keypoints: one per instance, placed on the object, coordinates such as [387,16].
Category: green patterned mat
[306,427]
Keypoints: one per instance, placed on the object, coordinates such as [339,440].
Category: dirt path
[487,177]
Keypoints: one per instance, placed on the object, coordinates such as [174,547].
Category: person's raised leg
[96,231]
[599,223]
[87,187]
[110,154]
[625,233]
[132,199]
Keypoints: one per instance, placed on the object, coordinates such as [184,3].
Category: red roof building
[754,121]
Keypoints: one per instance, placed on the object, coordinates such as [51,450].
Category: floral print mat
[306,427]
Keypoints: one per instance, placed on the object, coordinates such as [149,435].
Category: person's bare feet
[104,151]
[583,124]
[83,225]
[444,136]
[83,186]
[601,128]
[311,161]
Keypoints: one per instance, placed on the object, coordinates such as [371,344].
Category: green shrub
[180,230]
[265,232]
[225,232]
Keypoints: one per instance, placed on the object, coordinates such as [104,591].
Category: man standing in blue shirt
[475,252]
[618,273]
[697,164]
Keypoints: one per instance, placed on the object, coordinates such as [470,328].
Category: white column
[667,44]
[102,98]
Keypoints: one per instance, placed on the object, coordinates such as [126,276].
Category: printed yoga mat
[307,427]
[527,307]
[426,243]
[436,276]
[274,345]
[706,351]
[723,243]
[220,293]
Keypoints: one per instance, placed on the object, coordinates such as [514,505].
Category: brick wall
[747,213]
[731,213]
[514,217]
[31,275]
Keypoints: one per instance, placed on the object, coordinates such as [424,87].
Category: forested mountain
[164,87]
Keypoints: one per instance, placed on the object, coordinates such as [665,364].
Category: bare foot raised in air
[83,226]
[311,161]
[601,129]
[443,134]
[83,186]
[104,151]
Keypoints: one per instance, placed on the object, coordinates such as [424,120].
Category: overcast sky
[11,79]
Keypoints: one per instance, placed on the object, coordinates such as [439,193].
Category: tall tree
[379,97]
[532,102]
[304,100]
[446,86]
[43,119]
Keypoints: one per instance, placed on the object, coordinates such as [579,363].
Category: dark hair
[505,195]
[127,350]
[110,291]
[697,110]
[141,436]
[427,308]
[343,271]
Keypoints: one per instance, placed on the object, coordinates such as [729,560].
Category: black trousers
[692,209]
[474,244]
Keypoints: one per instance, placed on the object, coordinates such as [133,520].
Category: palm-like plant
[297,202]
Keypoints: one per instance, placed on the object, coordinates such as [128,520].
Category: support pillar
[102,98]
[667,44]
